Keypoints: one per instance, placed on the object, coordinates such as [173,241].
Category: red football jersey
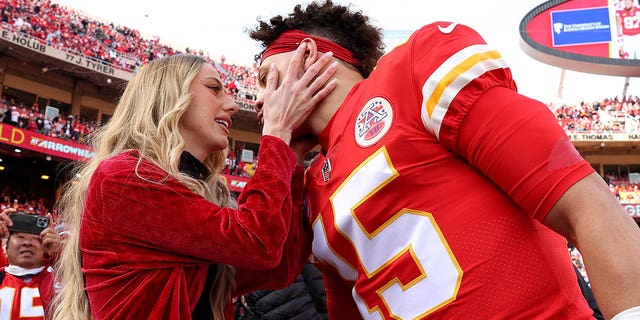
[26,297]
[422,204]
[630,21]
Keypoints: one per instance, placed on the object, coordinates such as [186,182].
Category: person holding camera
[27,282]
[153,230]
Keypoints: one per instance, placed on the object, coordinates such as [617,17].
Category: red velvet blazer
[147,240]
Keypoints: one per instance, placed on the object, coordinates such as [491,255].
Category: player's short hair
[350,29]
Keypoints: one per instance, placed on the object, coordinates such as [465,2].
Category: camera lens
[42,222]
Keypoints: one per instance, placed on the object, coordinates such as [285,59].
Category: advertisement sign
[41,47]
[605,32]
[33,141]
[21,138]
[585,26]
[633,210]
[603,136]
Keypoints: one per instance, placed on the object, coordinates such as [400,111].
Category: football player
[440,192]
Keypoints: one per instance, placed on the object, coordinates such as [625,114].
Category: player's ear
[311,54]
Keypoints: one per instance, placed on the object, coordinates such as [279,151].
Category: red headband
[289,41]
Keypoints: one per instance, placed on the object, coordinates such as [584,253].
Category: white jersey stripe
[453,75]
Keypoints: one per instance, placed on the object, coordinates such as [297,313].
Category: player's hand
[5,222]
[50,239]
[288,105]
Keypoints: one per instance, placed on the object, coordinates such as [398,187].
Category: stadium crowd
[22,202]
[114,45]
[626,193]
[606,116]
[68,127]
[68,29]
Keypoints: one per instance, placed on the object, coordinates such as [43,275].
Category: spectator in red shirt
[26,278]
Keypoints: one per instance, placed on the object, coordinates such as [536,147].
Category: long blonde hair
[146,119]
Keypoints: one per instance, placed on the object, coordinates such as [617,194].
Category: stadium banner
[593,136]
[234,183]
[39,46]
[21,138]
[584,26]
[633,210]
[30,140]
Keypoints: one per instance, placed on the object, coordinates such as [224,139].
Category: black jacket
[304,299]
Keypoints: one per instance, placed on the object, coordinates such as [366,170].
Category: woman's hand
[287,106]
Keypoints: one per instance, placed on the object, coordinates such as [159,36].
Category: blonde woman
[154,233]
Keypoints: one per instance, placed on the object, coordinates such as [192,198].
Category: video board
[617,25]
[596,36]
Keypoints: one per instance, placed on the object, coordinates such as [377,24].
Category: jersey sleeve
[453,66]
[471,105]
[516,141]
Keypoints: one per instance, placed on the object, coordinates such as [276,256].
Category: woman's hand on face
[286,107]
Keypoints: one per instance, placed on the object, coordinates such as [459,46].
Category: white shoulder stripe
[450,77]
